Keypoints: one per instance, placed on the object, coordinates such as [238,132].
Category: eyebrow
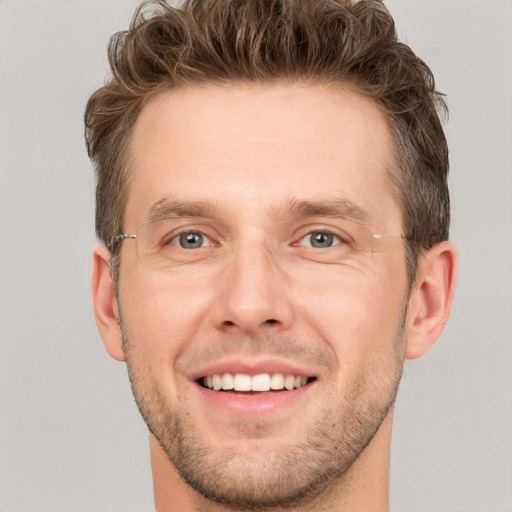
[295,209]
[168,207]
[337,207]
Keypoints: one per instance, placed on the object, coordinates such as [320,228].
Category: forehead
[254,148]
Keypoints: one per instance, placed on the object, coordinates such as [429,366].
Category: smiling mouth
[241,382]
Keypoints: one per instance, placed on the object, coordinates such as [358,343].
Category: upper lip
[252,367]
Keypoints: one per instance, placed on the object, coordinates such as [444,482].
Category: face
[264,281]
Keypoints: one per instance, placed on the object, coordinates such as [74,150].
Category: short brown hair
[348,43]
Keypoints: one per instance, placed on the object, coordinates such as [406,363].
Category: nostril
[230,324]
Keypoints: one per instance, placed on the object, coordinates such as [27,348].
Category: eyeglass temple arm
[120,238]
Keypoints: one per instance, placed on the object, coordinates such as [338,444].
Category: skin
[258,295]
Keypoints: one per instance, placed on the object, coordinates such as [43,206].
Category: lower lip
[251,404]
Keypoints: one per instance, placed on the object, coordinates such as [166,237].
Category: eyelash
[168,240]
[340,240]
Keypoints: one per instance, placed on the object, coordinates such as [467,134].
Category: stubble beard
[286,478]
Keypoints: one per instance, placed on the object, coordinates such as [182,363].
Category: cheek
[159,323]
[359,318]
[162,315]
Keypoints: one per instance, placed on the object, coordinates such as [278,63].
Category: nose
[254,293]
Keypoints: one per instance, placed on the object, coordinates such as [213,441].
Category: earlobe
[431,298]
[105,304]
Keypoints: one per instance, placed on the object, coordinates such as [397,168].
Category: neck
[364,486]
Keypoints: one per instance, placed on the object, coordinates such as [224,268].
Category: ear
[431,298]
[104,300]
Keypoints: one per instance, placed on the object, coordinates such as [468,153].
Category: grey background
[71,438]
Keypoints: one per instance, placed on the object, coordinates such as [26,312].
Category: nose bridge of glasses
[254,271]
[254,254]
[254,241]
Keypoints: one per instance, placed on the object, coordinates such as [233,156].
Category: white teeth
[277,381]
[217,382]
[289,382]
[242,382]
[227,381]
[261,382]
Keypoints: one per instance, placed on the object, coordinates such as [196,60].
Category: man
[273,210]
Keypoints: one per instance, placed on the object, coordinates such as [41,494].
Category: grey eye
[320,240]
[190,240]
